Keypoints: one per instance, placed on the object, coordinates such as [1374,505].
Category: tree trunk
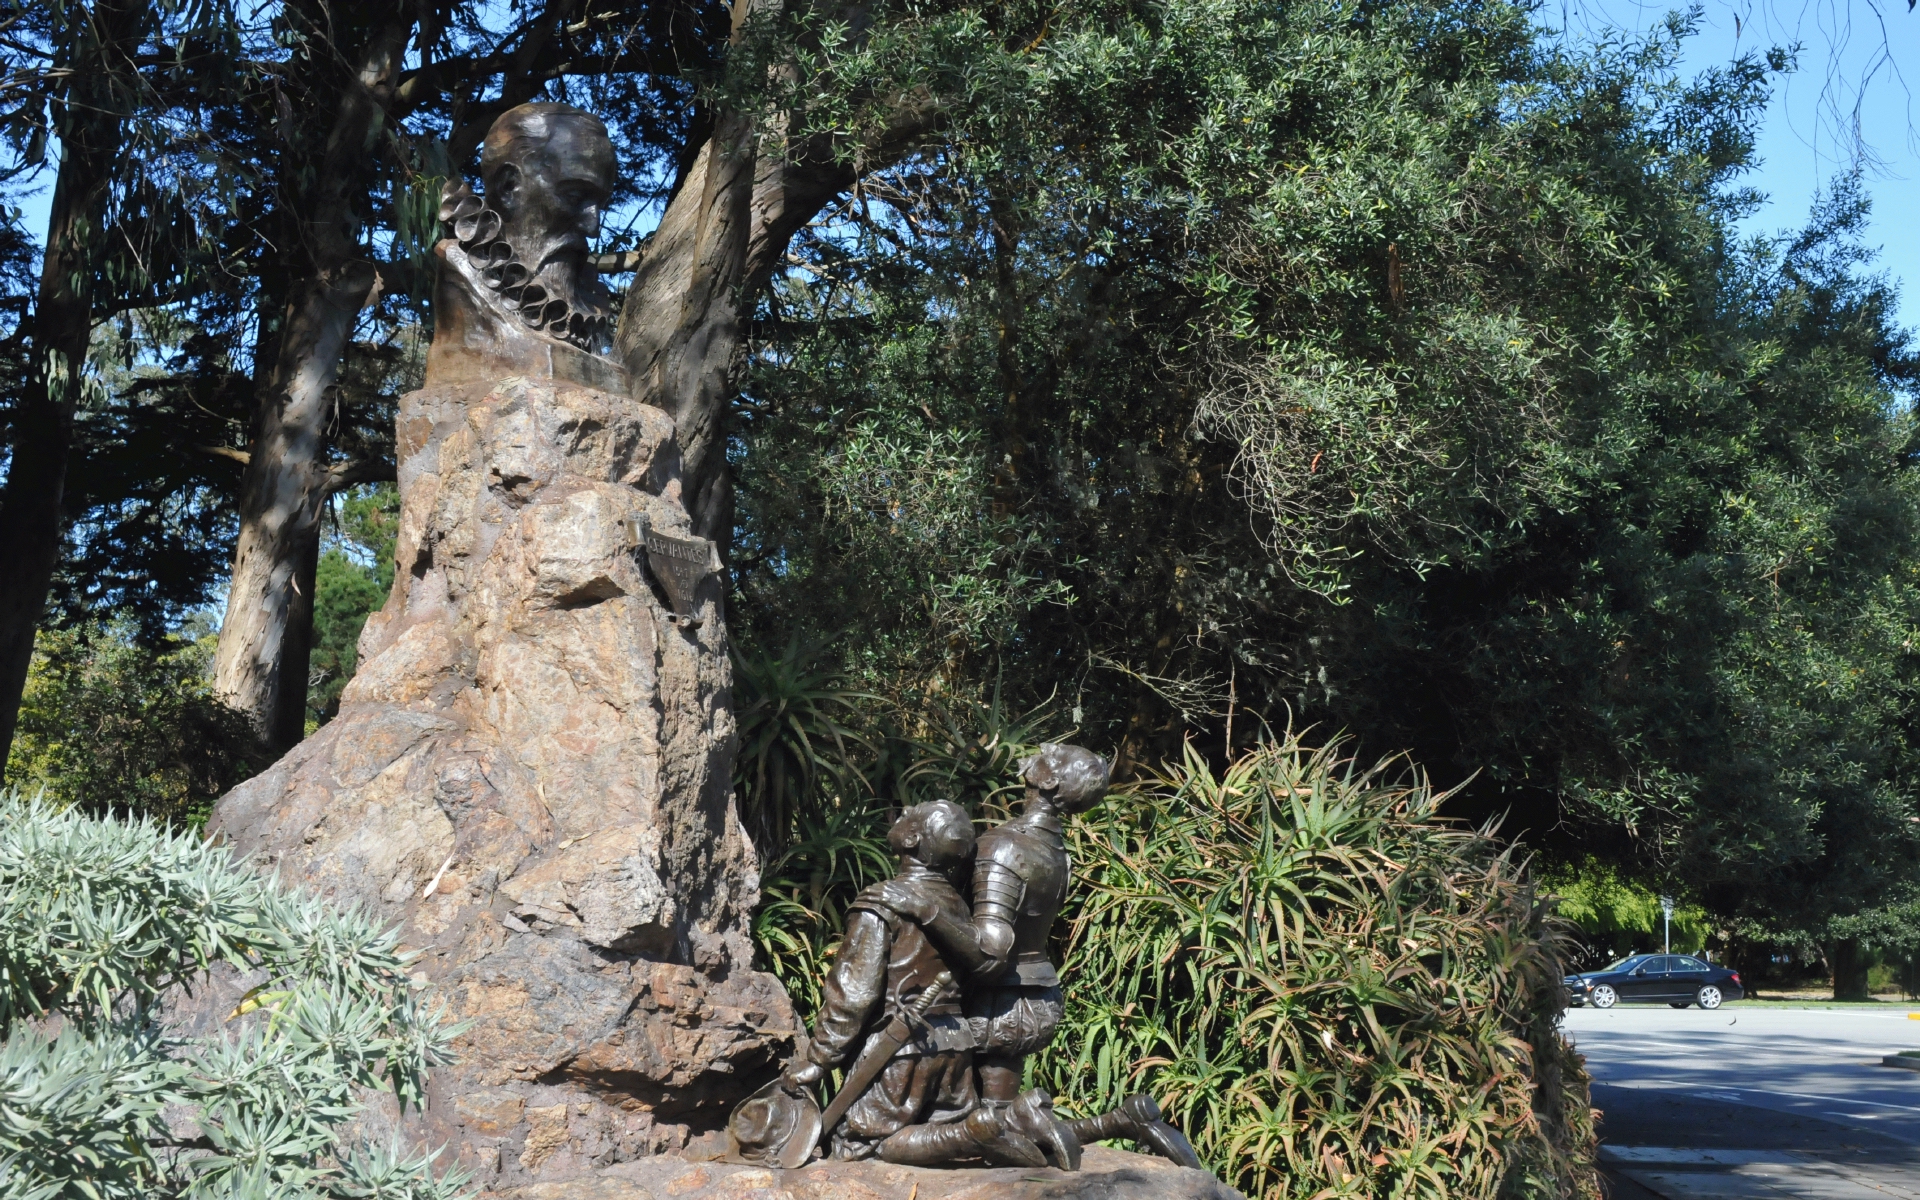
[685,318]
[1850,963]
[31,517]
[684,321]
[261,668]
[261,664]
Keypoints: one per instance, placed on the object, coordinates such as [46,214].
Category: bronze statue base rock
[528,777]
[1105,1174]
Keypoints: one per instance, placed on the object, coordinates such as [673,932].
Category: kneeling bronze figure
[936,1080]
[909,1095]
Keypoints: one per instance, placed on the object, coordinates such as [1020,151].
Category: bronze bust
[517,291]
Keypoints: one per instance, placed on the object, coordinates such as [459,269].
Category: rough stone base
[1105,1174]
[528,777]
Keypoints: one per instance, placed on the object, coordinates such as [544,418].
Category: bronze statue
[1013,1004]
[517,290]
[909,1095]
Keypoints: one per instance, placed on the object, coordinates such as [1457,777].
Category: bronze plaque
[679,564]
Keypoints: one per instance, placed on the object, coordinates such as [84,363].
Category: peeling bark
[261,666]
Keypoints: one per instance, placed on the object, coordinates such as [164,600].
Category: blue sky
[1860,69]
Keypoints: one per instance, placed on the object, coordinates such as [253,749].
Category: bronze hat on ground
[773,1125]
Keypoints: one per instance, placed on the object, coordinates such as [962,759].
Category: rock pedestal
[529,775]
[1105,1174]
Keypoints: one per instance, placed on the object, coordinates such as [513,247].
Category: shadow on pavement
[1792,1061]
[1670,1117]
[1631,1116]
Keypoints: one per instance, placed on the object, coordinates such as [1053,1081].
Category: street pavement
[1753,1102]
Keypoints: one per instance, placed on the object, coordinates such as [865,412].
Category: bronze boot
[986,1133]
[1032,1115]
[1139,1118]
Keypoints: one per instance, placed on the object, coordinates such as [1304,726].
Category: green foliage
[98,918]
[796,747]
[1336,991]
[911,546]
[1394,369]
[345,594]
[108,721]
[1619,913]
[370,520]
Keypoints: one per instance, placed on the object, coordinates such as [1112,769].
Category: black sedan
[1675,979]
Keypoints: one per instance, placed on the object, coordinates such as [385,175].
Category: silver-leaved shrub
[98,919]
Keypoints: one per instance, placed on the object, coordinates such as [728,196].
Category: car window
[1689,964]
[1662,964]
[1626,964]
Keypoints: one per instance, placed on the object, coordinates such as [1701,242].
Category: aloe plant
[1334,991]
[799,748]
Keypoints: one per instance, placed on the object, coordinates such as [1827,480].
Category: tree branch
[616,264]
[359,470]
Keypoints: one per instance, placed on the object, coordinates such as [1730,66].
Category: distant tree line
[1186,371]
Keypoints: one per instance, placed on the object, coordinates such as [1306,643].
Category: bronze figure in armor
[1013,1005]
[937,1077]
[920,1106]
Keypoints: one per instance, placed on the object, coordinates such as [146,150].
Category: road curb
[1903,1061]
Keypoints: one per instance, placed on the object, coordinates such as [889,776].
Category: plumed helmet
[1074,777]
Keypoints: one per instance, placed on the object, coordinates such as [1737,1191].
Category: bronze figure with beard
[517,290]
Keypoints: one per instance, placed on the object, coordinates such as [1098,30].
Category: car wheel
[1678,1003]
[1605,997]
[1709,997]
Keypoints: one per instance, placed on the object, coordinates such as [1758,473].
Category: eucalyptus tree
[90,78]
[343,65]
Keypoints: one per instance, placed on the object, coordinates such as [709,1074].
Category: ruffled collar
[478,230]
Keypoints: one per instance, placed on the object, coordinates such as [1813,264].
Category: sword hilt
[915,1010]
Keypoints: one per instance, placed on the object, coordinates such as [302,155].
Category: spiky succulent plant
[101,1099]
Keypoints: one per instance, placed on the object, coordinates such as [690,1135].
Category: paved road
[1753,1103]
[1821,1063]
